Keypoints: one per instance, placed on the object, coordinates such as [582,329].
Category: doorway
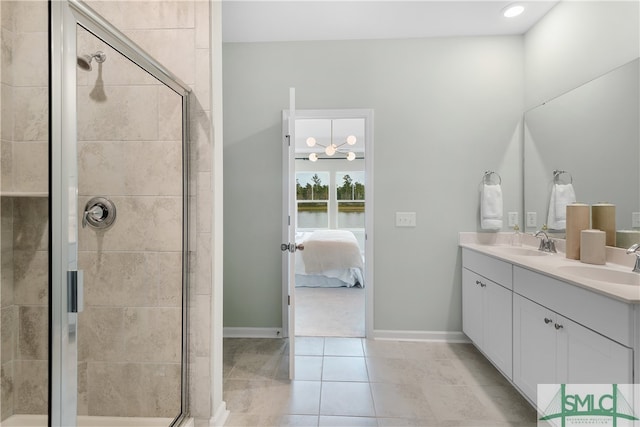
[333,220]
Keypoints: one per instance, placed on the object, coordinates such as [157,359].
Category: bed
[330,258]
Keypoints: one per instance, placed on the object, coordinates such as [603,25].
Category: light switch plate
[405,219]
[635,219]
[532,219]
[512,218]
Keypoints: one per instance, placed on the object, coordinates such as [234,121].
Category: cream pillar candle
[578,219]
[593,248]
[603,217]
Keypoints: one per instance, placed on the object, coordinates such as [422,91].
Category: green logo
[589,408]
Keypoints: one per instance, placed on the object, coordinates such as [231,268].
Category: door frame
[64,17]
[367,115]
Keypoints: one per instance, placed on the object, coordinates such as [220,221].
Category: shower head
[84,61]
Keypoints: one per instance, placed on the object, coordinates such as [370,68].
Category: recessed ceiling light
[512,10]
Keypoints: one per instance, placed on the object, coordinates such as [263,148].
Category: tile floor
[335,312]
[360,382]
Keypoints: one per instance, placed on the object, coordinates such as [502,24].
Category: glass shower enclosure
[94,224]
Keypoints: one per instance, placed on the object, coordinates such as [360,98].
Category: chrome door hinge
[75,287]
[288,299]
[288,137]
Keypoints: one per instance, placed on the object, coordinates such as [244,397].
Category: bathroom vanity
[543,319]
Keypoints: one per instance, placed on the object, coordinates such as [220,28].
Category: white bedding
[330,258]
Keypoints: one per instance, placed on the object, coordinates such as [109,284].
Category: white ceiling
[297,20]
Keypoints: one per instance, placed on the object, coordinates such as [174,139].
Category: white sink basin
[515,250]
[602,274]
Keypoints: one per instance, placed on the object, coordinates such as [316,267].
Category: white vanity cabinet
[486,307]
[549,348]
[538,329]
[534,346]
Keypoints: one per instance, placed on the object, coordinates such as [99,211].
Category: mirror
[592,133]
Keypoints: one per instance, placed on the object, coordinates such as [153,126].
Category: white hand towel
[561,196]
[491,207]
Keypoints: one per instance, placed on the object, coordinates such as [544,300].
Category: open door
[288,246]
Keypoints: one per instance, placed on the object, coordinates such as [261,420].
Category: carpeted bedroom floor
[330,312]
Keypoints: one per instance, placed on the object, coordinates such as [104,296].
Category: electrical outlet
[532,219]
[405,219]
[512,218]
[635,219]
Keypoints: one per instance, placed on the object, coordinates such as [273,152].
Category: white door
[534,346]
[497,326]
[586,357]
[472,309]
[289,227]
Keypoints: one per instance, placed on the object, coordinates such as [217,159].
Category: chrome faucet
[634,249]
[546,244]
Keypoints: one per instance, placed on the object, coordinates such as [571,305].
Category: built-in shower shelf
[23,194]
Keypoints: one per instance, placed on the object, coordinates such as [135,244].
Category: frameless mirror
[592,132]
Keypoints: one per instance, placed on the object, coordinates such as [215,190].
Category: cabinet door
[472,318]
[534,346]
[586,357]
[498,326]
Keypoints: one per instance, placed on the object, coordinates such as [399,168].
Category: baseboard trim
[232,332]
[434,336]
[220,416]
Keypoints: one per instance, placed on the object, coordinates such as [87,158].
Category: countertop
[497,245]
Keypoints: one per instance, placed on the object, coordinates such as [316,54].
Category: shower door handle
[75,291]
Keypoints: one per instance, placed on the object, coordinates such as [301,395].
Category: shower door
[119,228]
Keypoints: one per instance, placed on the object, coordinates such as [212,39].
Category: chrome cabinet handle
[557,326]
[547,320]
[482,285]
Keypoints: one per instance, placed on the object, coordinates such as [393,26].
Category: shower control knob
[99,213]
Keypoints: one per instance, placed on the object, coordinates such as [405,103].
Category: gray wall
[446,109]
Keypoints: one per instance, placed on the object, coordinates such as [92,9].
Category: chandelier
[331,149]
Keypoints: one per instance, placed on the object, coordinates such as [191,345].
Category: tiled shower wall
[24,210]
[25,110]
[130,151]
[177,34]
[24,306]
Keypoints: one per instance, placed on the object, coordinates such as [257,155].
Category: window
[350,197]
[312,199]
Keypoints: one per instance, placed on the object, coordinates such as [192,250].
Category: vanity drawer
[489,267]
[607,316]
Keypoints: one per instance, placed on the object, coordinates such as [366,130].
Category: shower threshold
[87,421]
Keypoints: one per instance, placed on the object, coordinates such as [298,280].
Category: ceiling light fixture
[332,148]
[512,10]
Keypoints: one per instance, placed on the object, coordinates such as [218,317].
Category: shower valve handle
[99,213]
[96,213]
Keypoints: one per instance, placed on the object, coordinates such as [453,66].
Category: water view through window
[322,203]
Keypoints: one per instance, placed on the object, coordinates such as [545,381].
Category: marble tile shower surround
[24,97]
[23,229]
[24,300]
[177,34]
[130,150]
